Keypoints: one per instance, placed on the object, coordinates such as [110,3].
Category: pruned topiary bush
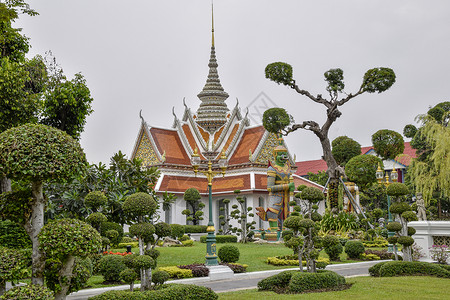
[106,226]
[228,254]
[159,277]
[276,282]
[323,279]
[169,291]
[354,249]
[408,268]
[221,239]
[110,267]
[333,247]
[177,231]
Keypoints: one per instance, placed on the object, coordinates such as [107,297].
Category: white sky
[150,54]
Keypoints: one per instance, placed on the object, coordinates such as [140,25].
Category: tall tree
[430,172]
[374,80]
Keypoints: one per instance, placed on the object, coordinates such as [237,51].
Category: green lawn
[254,255]
[408,288]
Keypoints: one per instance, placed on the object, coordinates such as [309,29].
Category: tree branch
[317,99]
[349,96]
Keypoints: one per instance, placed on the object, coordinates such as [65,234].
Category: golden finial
[212,17]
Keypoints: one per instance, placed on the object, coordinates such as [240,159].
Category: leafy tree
[192,197]
[362,170]
[35,154]
[67,103]
[62,241]
[13,266]
[321,177]
[388,143]
[344,148]
[429,173]
[374,80]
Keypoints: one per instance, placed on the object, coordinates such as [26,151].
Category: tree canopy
[344,148]
[388,143]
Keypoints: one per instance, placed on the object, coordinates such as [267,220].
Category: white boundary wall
[425,231]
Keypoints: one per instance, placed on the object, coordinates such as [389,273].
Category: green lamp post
[394,177]
[211,252]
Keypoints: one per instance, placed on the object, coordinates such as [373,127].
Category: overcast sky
[149,55]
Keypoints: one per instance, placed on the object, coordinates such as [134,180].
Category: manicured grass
[254,255]
[408,288]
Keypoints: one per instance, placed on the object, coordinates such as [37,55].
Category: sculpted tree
[35,154]
[374,80]
[344,149]
[63,241]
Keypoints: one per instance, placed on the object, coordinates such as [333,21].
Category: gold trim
[210,229]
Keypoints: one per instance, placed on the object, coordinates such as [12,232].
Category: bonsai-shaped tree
[374,80]
[405,214]
[192,197]
[388,143]
[94,200]
[35,154]
[64,240]
[241,216]
[344,149]
[225,219]
[362,169]
[139,208]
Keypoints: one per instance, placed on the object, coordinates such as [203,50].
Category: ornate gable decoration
[265,153]
[145,151]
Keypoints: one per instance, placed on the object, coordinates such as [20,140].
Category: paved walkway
[243,281]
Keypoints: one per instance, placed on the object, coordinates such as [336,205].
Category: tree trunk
[2,287]
[65,278]
[37,222]
[5,185]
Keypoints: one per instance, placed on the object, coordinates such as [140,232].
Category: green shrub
[184,238]
[405,241]
[105,226]
[120,295]
[334,251]
[405,268]
[13,236]
[287,235]
[153,253]
[409,216]
[28,292]
[276,282]
[228,254]
[110,267]
[188,243]
[128,276]
[159,277]
[124,245]
[177,231]
[144,262]
[411,231]
[95,199]
[354,249]
[175,272]
[127,239]
[221,239]
[399,207]
[394,226]
[195,228]
[302,281]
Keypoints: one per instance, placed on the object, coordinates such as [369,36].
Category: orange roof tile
[249,141]
[230,138]
[182,183]
[204,134]
[217,134]
[190,138]
[169,141]
[314,166]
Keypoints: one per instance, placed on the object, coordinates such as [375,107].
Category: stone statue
[280,186]
[421,212]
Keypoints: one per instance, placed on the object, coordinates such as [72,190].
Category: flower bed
[116,253]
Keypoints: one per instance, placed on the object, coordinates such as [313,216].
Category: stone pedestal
[220,272]
[429,233]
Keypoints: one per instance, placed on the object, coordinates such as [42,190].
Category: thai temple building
[211,130]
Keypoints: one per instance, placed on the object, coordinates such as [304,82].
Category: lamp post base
[211,256]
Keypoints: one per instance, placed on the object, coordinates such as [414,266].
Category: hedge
[175,272]
[405,268]
[167,291]
[12,235]
[124,245]
[276,282]
[195,228]
[302,281]
[321,263]
[220,239]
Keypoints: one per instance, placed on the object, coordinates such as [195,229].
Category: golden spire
[212,17]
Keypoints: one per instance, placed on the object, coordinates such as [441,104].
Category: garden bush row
[296,282]
[405,268]
[220,239]
[169,291]
[289,260]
